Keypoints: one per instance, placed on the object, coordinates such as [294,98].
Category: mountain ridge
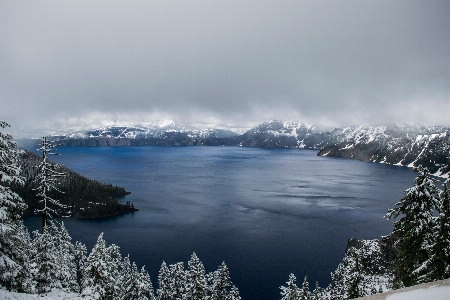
[401,144]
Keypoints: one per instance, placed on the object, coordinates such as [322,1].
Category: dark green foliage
[85,198]
[415,227]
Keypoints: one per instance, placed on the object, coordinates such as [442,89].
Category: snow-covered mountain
[281,134]
[401,144]
[157,129]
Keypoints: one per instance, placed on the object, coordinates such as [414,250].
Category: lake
[265,212]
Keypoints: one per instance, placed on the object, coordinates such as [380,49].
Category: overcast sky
[69,65]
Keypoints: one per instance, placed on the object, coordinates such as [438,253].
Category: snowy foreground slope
[54,294]
[438,290]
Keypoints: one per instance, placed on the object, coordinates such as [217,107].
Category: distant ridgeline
[401,144]
[86,198]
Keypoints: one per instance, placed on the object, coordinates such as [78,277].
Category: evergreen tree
[116,265]
[99,266]
[317,293]
[145,288]
[67,269]
[47,180]
[126,277]
[46,261]
[437,266]
[80,263]
[414,228]
[14,267]
[178,280]
[291,292]
[234,294]
[304,294]
[165,285]
[196,285]
[219,283]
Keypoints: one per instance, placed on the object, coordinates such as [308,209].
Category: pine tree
[291,292]
[234,294]
[196,286]
[98,270]
[304,294]
[178,280]
[219,283]
[13,243]
[47,180]
[165,286]
[126,278]
[415,227]
[46,261]
[80,252]
[317,292]
[437,266]
[116,265]
[67,270]
[145,288]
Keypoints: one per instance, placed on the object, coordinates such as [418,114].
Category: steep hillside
[404,145]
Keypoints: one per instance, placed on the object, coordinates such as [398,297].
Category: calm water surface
[265,212]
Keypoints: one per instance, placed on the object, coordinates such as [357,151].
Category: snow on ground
[437,290]
[55,294]
[433,292]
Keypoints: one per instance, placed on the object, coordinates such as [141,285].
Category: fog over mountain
[71,65]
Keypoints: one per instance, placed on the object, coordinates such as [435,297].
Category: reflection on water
[266,213]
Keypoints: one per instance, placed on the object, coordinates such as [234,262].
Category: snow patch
[435,293]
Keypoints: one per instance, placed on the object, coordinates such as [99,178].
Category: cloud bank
[76,64]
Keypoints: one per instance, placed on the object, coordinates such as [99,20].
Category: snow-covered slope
[279,134]
[402,144]
[55,294]
[437,290]
[157,129]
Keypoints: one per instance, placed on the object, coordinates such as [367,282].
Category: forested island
[86,198]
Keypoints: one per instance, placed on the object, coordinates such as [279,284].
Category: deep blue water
[265,212]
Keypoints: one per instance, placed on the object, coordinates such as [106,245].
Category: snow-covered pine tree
[437,266]
[116,266]
[126,277]
[14,267]
[67,266]
[165,289]
[99,283]
[305,293]
[317,293]
[234,294]
[178,279]
[47,180]
[196,285]
[145,288]
[219,281]
[46,261]
[291,291]
[415,228]
[80,263]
